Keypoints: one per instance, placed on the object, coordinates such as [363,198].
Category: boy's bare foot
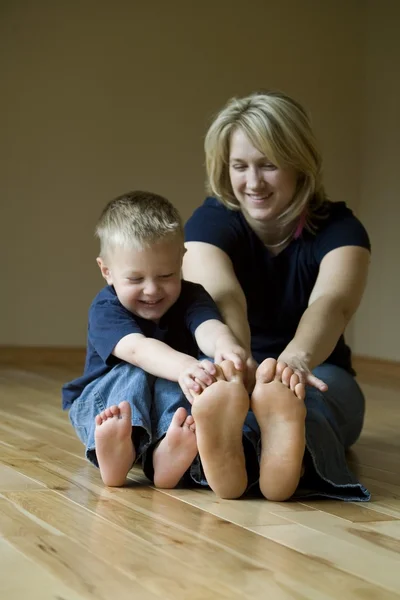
[176,451]
[114,447]
[219,413]
[280,412]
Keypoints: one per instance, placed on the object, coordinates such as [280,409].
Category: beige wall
[376,331]
[99,98]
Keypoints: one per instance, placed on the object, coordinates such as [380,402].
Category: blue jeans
[153,402]
[333,423]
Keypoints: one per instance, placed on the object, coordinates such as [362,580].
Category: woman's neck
[273,235]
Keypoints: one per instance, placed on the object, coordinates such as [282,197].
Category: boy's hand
[194,379]
[226,350]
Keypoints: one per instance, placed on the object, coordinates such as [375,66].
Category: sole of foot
[219,413]
[280,413]
[114,447]
[176,451]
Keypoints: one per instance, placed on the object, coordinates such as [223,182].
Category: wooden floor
[63,536]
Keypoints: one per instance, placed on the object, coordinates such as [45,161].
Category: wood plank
[10,480]
[22,578]
[378,568]
[152,565]
[79,569]
[237,549]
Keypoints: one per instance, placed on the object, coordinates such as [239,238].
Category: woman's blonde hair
[280,129]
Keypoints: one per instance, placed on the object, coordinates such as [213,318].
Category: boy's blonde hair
[136,220]
[280,129]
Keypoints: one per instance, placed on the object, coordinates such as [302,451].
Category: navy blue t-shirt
[277,288]
[109,322]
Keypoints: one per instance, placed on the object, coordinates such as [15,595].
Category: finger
[237,361]
[302,375]
[188,395]
[316,382]
[202,376]
[201,384]
[191,384]
[209,366]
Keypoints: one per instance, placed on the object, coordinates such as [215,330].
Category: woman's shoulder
[214,223]
[336,225]
[332,212]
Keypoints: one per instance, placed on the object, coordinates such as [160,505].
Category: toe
[219,376]
[300,391]
[179,417]
[286,376]
[189,421]
[294,380]
[230,372]
[98,420]
[266,371]
[124,409]
[280,367]
[114,410]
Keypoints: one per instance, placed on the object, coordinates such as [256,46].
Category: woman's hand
[299,363]
[243,361]
[194,379]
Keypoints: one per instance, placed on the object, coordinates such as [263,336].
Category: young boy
[144,334]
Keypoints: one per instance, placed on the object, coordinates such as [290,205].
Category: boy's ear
[105,271]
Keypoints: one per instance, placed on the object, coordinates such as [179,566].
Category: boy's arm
[153,356]
[216,340]
[161,360]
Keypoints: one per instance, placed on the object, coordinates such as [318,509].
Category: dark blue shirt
[109,322]
[277,288]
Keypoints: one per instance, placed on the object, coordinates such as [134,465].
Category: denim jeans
[153,402]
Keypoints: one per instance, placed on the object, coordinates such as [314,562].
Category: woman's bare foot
[114,447]
[176,451]
[278,405]
[219,413]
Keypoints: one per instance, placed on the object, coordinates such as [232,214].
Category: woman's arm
[212,268]
[333,301]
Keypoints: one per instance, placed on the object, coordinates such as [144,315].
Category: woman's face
[262,189]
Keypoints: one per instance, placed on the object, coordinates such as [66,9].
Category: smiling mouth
[154,303]
[259,199]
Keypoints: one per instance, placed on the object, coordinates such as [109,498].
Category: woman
[287,268]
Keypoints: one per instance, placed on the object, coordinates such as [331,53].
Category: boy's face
[146,281]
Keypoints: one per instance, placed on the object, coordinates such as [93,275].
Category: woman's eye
[239,167]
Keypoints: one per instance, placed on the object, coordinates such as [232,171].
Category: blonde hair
[137,219]
[280,129]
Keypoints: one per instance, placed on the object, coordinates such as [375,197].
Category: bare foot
[114,447]
[176,451]
[219,413]
[280,412]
